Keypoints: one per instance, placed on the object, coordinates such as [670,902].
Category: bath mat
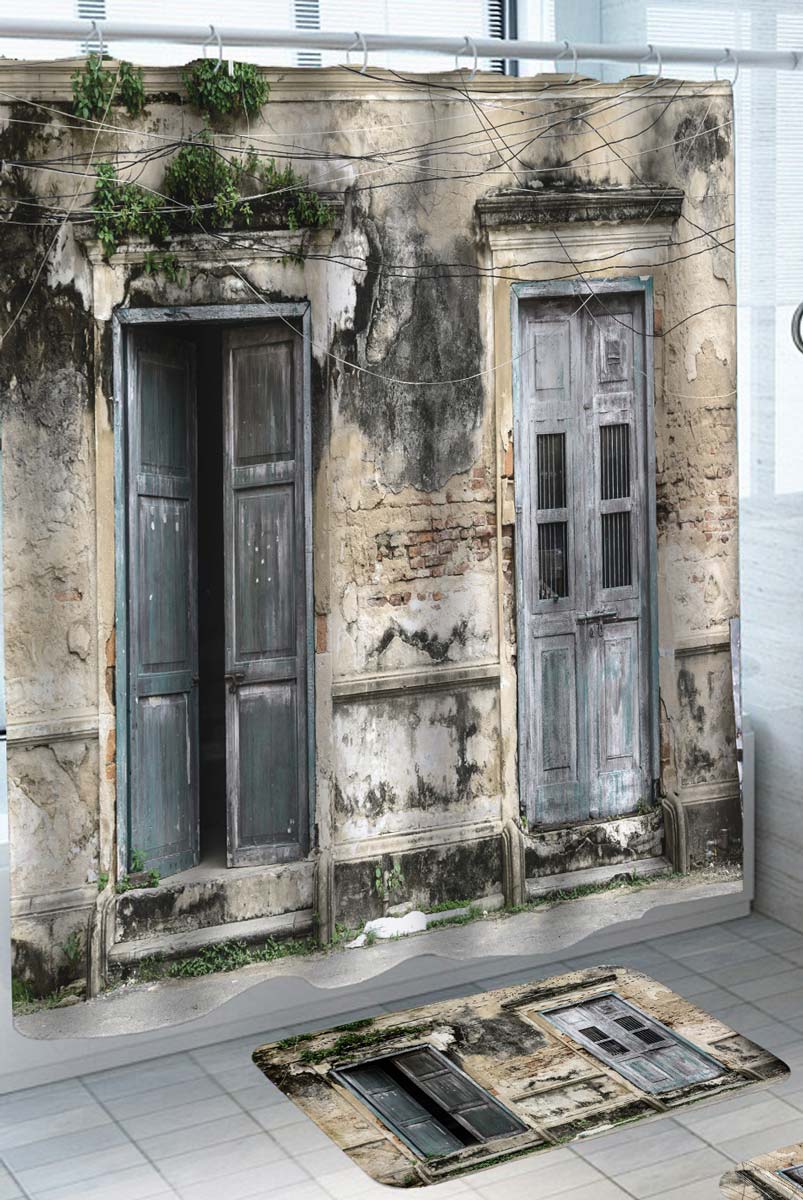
[435,1092]
[779,1173]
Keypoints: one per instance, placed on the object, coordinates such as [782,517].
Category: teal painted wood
[585,561]
[162,611]
[456,1111]
[121,640]
[4,831]
[640,1048]
[266,595]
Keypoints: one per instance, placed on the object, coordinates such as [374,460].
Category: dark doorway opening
[211,615]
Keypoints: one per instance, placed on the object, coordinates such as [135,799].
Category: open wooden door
[266,595]
[163,666]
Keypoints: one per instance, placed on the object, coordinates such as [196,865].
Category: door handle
[234,679]
[595,620]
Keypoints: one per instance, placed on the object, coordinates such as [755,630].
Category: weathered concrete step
[206,897]
[617,841]
[542,885]
[180,945]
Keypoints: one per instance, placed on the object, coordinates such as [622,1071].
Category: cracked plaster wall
[411,490]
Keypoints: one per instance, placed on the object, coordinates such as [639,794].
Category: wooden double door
[263,673]
[584,482]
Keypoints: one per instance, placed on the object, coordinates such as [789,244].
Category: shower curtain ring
[797,328]
[359,43]
[567,47]
[95,32]
[215,36]
[468,45]
[653,53]
[728,57]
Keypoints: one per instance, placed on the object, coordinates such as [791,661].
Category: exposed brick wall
[449,544]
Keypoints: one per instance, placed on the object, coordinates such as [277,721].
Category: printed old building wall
[777,1175]
[543,1076]
[409,563]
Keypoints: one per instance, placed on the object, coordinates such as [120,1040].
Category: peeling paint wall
[760,1178]
[508,1045]
[415,611]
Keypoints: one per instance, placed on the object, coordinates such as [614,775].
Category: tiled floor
[208,1126]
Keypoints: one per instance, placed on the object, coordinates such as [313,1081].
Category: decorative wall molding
[400,683]
[551,206]
[24,734]
[705,643]
[54,903]
[406,841]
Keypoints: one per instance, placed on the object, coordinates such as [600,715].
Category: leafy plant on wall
[95,88]
[220,91]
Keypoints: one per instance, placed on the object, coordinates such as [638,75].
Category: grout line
[302,1116]
[15,1177]
[133,1142]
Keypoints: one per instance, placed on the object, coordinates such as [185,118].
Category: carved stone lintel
[559,206]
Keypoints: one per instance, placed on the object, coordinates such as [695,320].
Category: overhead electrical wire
[465,148]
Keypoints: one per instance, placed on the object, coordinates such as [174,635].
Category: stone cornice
[559,206]
[50,81]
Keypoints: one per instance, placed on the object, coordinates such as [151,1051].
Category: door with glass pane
[584,605]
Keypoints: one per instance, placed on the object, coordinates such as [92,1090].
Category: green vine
[125,210]
[93,88]
[220,91]
[208,191]
[206,184]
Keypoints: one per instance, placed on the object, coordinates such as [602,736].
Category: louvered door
[635,1045]
[581,478]
[266,618]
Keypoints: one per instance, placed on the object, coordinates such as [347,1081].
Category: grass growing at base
[230,956]
[24,1000]
[227,956]
[447,906]
[592,889]
[349,1042]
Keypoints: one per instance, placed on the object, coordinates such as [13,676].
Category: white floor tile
[216,1162]
[43,1128]
[271,1181]
[200,1136]
[138,1183]
[8,1186]
[217,1129]
[167,1121]
[684,1169]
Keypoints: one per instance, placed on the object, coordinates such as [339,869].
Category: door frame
[123,320]
[520,293]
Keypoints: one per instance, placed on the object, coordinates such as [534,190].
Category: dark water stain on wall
[502,1037]
[421,327]
[701,144]
[434,647]
[430,876]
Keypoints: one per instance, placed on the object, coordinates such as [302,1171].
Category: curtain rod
[365,43]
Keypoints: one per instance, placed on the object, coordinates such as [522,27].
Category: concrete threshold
[179,945]
[543,885]
[259,994]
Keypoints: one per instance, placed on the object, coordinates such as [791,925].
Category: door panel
[267,726]
[163,603]
[266,617]
[635,1045]
[264,574]
[585,576]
